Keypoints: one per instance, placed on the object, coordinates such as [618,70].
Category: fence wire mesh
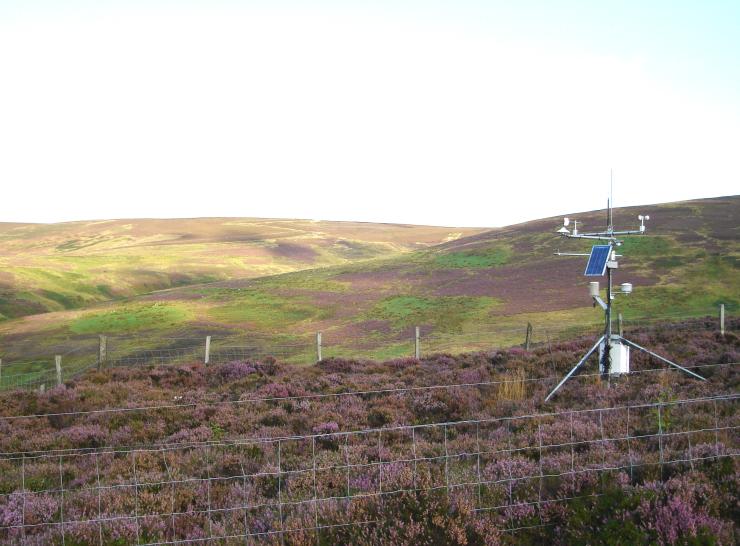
[267,489]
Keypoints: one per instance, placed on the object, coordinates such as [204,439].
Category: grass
[446,313]
[266,311]
[131,318]
[474,259]
[648,246]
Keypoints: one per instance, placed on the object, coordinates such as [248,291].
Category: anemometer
[614,350]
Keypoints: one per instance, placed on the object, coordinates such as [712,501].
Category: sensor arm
[598,300]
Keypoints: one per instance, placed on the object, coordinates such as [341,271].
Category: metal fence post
[208,350]
[58,366]
[417,347]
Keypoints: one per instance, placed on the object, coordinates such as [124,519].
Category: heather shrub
[337,365]
[208,418]
[231,371]
[84,436]
[401,363]
[329,441]
[379,416]
[195,435]
[268,366]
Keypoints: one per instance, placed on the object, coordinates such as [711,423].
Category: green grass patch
[704,285]
[130,318]
[647,247]
[445,313]
[480,258]
[266,310]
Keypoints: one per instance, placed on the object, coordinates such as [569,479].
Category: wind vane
[614,350]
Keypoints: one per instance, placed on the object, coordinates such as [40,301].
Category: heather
[443,450]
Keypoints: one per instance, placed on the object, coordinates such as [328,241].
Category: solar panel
[596,266]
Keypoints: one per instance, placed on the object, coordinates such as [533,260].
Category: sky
[456,113]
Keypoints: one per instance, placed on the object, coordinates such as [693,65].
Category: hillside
[51,267]
[475,291]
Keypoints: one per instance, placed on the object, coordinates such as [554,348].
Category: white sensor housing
[593,288]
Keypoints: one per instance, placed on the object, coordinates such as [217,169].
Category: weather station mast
[614,350]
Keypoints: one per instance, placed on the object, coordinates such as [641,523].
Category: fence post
[42,388]
[208,350]
[722,318]
[620,323]
[1,370]
[58,366]
[417,346]
[318,347]
[102,352]
[529,336]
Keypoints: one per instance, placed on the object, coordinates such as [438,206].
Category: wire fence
[511,470]
[122,351]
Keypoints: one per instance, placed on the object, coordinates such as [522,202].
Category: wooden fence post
[318,347]
[417,346]
[620,323]
[722,318]
[58,366]
[529,336]
[208,350]
[102,352]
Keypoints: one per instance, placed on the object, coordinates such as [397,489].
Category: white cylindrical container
[626,288]
[593,288]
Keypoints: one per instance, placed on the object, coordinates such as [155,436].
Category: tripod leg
[589,353]
[651,353]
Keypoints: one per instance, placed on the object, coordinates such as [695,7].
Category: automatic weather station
[614,350]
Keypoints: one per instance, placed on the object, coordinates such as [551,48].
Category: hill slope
[467,291]
[50,267]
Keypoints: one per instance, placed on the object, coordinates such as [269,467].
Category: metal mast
[602,260]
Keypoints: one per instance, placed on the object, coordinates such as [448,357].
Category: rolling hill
[479,289]
[51,267]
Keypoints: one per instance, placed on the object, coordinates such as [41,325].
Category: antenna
[614,350]
[611,199]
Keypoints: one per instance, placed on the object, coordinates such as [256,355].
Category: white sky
[342,114]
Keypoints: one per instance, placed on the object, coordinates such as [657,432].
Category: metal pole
[722,318]
[620,322]
[606,357]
